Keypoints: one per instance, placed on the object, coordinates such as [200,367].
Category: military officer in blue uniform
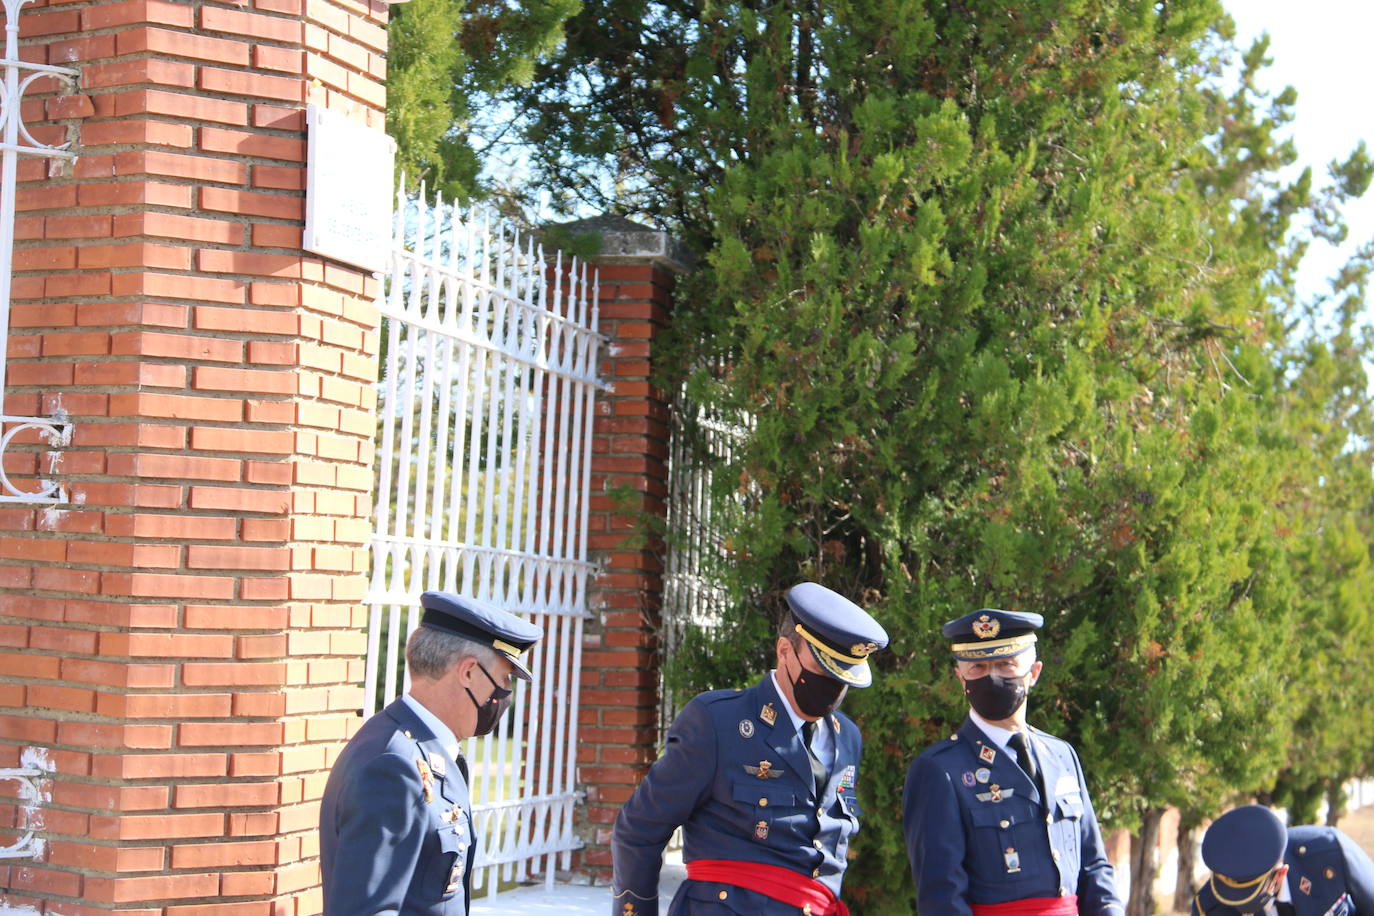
[396,832]
[762,780]
[1259,866]
[997,818]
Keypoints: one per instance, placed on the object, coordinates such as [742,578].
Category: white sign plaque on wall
[348,189]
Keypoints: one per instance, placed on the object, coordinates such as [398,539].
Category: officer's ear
[465,670]
[1034,672]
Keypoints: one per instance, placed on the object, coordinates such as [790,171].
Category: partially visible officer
[396,834]
[997,819]
[1260,867]
[762,780]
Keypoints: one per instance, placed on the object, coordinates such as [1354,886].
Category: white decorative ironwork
[31,790]
[693,596]
[490,361]
[15,140]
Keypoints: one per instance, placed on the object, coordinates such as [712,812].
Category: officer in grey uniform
[762,780]
[396,833]
[997,818]
[1259,866]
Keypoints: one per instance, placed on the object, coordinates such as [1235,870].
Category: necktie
[818,773]
[1285,909]
[1024,758]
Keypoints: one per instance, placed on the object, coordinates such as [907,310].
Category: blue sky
[1323,49]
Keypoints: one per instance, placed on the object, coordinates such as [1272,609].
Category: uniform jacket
[736,776]
[396,835]
[1327,874]
[978,830]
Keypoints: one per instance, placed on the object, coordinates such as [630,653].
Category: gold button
[1063,892]
[723,894]
[1302,850]
[1005,824]
[807,909]
[820,811]
[1330,873]
[816,843]
[1056,855]
[1049,818]
[763,802]
[816,873]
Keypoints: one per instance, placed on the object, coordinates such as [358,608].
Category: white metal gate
[16,141]
[484,449]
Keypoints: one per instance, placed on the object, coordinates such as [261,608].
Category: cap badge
[986,628]
[764,770]
[746,728]
[1305,885]
[987,754]
[768,714]
[863,649]
[629,910]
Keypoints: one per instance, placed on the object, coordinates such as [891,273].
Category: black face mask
[816,694]
[995,697]
[490,712]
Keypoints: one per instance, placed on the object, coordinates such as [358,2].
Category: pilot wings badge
[764,770]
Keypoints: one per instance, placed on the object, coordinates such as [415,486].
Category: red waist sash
[1031,906]
[781,884]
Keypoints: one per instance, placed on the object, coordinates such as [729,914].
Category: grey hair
[430,652]
[787,629]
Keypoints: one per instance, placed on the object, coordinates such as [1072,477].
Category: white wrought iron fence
[16,141]
[693,596]
[490,359]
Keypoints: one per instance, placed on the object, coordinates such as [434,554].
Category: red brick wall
[181,641]
[621,652]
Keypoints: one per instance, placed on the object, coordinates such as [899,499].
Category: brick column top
[624,241]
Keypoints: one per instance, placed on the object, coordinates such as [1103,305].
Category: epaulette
[715,696]
[941,747]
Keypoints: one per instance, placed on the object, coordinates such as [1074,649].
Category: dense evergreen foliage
[448,63]
[1004,295]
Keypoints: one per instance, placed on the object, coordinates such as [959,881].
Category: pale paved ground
[568,899]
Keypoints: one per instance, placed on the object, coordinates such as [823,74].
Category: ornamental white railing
[489,374]
[16,141]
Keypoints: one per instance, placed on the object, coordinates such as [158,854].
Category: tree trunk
[1186,888]
[1144,864]
[1336,801]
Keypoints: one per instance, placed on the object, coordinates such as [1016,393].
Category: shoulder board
[715,696]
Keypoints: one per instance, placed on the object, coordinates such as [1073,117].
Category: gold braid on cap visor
[1253,886]
[828,653]
[971,651]
[507,648]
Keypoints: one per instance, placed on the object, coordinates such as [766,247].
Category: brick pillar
[179,644]
[620,657]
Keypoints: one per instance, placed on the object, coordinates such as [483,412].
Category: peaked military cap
[483,623]
[1242,848]
[991,633]
[840,633]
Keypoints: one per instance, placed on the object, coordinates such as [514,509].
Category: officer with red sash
[1259,866]
[997,818]
[762,780]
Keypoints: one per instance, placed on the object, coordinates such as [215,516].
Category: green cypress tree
[1002,292]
